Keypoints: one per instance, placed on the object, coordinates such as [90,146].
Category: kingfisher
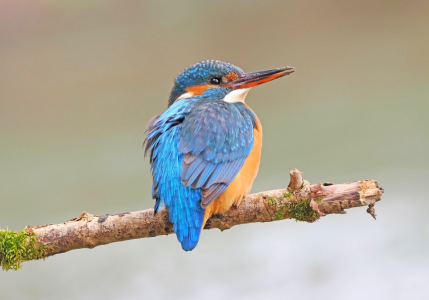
[205,149]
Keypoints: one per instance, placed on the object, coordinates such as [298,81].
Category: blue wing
[185,211]
[215,139]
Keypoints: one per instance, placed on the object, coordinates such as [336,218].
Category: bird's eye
[215,80]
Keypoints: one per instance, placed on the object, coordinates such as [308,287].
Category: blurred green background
[79,81]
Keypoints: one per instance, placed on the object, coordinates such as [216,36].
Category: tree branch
[301,201]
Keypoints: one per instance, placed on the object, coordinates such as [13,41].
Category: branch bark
[301,201]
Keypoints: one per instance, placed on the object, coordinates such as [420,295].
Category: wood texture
[88,231]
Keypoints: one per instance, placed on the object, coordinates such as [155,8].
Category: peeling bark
[301,200]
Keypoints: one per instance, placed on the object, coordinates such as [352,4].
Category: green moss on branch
[302,211]
[291,206]
[16,247]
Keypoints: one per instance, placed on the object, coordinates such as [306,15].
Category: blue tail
[188,233]
[183,202]
[188,244]
[187,222]
[186,213]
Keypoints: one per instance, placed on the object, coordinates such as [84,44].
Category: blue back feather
[183,202]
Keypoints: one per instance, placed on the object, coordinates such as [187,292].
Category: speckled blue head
[216,80]
[206,74]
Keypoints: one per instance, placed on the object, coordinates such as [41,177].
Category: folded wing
[216,137]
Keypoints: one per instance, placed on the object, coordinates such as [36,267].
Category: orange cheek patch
[198,90]
[231,76]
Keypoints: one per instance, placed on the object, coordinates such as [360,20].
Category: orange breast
[242,183]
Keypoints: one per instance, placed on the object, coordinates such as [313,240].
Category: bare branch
[301,201]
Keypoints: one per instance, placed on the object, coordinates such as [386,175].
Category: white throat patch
[184,96]
[236,96]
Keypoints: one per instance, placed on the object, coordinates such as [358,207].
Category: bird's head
[220,81]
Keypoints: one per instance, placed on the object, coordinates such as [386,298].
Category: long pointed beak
[256,78]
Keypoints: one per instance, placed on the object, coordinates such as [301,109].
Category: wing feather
[216,138]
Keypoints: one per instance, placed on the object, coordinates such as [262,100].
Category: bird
[205,148]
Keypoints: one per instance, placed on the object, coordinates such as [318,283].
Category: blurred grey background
[79,80]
